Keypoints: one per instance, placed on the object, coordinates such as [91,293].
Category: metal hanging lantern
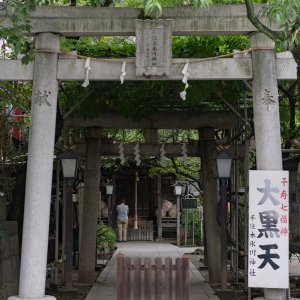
[224,162]
[69,163]
[109,188]
[178,189]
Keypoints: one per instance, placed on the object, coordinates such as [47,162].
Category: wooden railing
[168,224]
[143,233]
[152,281]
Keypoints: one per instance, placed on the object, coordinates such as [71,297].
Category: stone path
[105,287]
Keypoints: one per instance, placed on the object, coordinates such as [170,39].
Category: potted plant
[106,240]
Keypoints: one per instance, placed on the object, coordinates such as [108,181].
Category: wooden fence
[152,281]
[143,233]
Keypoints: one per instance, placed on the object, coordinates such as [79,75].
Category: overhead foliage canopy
[139,99]
[285,13]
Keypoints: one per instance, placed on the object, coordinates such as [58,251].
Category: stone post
[87,260]
[266,116]
[211,203]
[39,171]
[265,104]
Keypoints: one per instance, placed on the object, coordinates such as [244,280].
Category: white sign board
[153,47]
[268,249]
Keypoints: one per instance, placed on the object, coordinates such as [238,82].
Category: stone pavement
[105,287]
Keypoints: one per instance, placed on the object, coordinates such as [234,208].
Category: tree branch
[185,174]
[258,24]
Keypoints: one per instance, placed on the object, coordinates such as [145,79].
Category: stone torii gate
[49,23]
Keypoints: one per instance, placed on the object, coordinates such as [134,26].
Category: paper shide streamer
[185,78]
[137,154]
[87,66]
[121,154]
[123,72]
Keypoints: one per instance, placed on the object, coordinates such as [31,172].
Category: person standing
[122,210]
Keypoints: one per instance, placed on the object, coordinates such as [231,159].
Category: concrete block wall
[9,260]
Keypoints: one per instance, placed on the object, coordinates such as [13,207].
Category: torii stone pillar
[39,171]
[87,259]
[266,116]
[211,203]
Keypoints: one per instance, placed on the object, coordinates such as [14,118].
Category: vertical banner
[268,249]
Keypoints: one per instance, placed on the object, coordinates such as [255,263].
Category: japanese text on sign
[268,248]
[153,45]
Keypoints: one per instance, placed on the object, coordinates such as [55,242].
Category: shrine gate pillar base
[46,297]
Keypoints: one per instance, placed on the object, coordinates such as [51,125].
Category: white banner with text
[268,248]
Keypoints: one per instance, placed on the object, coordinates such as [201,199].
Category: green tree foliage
[286,15]
[13,95]
[110,47]
[17,12]
[190,219]
[137,100]
[12,150]
[289,113]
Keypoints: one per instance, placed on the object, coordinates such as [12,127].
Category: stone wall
[9,260]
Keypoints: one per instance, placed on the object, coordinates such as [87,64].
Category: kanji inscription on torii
[268,252]
[153,47]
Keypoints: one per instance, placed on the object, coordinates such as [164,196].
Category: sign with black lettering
[188,203]
[268,263]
